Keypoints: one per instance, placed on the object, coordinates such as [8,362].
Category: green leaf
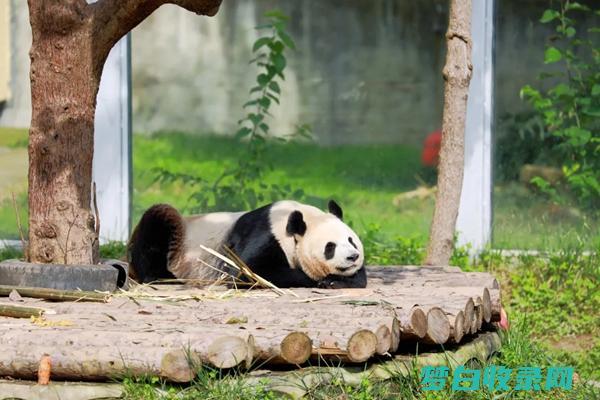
[274,86]
[263,79]
[576,6]
[552,55]
[264,102]
[286,39]
[250,103]
[264,127]
[275,99]
[277,14]
[596,89]
[242,132]
[260,42]
[570,32]
[577,136]
[592,111]
[529,93]
[279,62]
[276,46]
[549,15]
[562,89]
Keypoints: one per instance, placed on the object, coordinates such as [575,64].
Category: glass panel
[526,216]
[365,76]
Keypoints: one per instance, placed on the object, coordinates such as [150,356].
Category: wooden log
[487,305]
[413,324]
[495,304]
[362,345]
[384,340]
[229,351]
[296,348]
[457,326]
[469,315]
[55,294]
[438,327]
[402,277]
[479,313]
[396,335]
[216,347]
[179,365]
[300,383]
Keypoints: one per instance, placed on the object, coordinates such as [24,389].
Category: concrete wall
[364,71]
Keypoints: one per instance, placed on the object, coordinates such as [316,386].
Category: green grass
[363,178]
[13,137]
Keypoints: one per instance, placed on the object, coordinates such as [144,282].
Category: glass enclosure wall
[529,213]
[365,78]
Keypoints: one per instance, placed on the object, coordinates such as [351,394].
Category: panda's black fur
[161,247]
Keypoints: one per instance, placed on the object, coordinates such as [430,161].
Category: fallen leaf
[237,320]
[144,312]
[43,322]
[110,316]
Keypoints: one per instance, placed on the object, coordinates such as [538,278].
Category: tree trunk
[61,138]
[457,75]
[71,40]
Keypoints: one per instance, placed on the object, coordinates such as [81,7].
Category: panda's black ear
[335,209]
[296,224]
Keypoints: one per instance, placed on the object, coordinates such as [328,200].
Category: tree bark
[457,75]
[71,40]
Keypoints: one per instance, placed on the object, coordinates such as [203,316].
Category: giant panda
[287,243]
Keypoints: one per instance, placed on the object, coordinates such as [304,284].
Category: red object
[431,149]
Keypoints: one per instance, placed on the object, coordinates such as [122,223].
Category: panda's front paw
[331,283]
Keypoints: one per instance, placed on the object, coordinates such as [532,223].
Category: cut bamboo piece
[55,294]
[14,311]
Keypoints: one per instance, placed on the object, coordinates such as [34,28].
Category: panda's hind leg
[158,236]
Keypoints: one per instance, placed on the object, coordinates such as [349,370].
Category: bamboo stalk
[14,311]
[55,294]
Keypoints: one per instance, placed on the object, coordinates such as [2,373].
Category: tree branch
[113,19]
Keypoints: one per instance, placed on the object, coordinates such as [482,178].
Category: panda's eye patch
[329,250]
[352,243]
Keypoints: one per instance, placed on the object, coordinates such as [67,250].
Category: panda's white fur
[209,230]
[303,250]
[307,250]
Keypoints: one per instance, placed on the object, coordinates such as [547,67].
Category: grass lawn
[364,179]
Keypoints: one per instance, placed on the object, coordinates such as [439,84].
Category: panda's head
[324,244]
